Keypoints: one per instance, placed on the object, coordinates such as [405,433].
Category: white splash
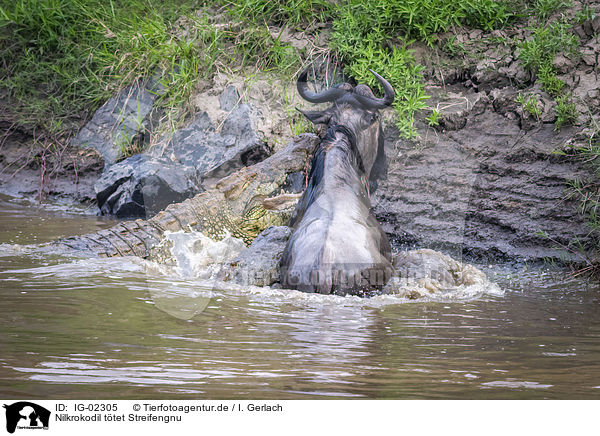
[421,275]
[430,274]
[201,257]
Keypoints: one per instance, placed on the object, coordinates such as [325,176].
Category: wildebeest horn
[378,103]
[330,94]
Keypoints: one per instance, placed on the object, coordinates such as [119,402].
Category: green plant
[434,118]
[538,52]
[588,194]
[550,82]
[454,48]
[545,43]
[529,104]
[281,12]
[566,112]
[585,14]
[545,8]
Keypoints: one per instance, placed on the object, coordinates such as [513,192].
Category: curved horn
[330,94]
[378,103]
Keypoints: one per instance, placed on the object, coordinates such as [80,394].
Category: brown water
[76,327]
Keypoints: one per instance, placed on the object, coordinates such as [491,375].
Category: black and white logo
[26,415]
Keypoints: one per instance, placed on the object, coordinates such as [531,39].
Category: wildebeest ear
[316,117]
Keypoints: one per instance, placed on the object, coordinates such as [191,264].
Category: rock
[120,121]
[258,265]
[229,98]
[589,55]
[141,186]
[198,154]
[216,155]
[475,34]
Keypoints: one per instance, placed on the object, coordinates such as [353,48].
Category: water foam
[186,288]
[201,257]
[421,275]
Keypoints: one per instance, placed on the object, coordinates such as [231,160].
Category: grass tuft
[376,34]
[294,13]
[62,58]
[566,112]
[545,8]
[530,104]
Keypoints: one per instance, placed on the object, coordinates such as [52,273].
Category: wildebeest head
[355,108]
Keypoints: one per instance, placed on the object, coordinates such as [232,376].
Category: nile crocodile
[242,204]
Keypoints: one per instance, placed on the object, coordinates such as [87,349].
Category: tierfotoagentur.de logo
[26,415]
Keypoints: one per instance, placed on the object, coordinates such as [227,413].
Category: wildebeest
[337,246]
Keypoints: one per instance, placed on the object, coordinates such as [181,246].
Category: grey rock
[229,98]
[213,154]
[258,265]
[141,186]
[198,155]
[120,121]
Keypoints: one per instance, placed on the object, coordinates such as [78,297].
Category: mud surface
[487,181]
[484,190]
[48,173]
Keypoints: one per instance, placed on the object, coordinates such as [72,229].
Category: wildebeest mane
[317,170]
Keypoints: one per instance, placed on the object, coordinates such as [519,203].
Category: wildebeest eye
[373,117]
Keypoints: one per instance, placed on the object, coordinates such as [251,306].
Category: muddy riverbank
[482,180]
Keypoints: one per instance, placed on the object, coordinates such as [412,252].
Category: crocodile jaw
[281,202]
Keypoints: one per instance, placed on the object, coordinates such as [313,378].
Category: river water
[82,327]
